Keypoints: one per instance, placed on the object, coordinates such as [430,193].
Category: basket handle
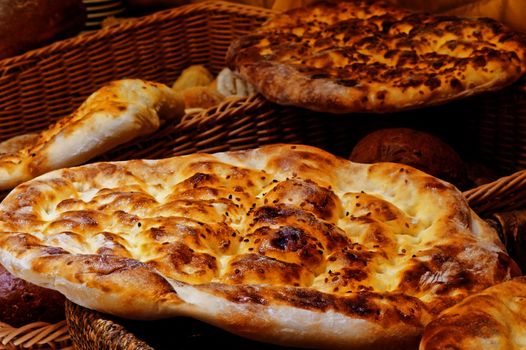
[511,227]
[504,194]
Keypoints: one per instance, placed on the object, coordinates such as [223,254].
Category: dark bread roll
[28,24]
[22,302]
[415,148]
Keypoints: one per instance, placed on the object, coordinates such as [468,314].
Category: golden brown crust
[284,242]
[491,319]
[364,56]
[118,112]
[15,144]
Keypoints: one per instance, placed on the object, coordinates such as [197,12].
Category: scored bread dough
[116,113]
[285,244]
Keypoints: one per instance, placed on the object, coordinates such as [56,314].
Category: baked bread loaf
[27,24]
[201,97]
[22,303]
[415,148]
[284,244]
[118,112]
[193,76]
[492,319]
[369,56]
[199,90]
[230,84]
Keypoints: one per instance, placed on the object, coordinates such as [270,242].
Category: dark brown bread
[22,302]
[415,148]
[27,24]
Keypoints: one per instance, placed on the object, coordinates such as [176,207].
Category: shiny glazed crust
[285,244]
[492,319]
[368,56]
[118,112]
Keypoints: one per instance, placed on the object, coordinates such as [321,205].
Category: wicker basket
[45,84]
[37,335]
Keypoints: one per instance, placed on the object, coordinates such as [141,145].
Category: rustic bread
[285,244]
[418,149]
[22,302]
[118,112]
[27,24]
[370,56]
[17,143]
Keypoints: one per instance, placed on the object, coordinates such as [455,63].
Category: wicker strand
[54,336]
[506,193]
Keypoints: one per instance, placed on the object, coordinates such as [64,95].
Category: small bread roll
[193,76]
[22,302]
[230,84]
[201,97]
[415,148]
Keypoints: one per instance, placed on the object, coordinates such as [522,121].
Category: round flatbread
[368,56]
[285,244]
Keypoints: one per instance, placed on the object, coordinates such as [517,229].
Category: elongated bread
[115,114]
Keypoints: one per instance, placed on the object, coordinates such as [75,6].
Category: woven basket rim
[131,23]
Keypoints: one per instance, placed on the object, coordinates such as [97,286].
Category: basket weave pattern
[37,335]
[45,84]
[103,333]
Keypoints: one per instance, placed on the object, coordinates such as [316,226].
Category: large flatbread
[368,56]
[285,244]
[118,112]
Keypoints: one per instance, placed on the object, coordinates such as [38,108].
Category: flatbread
[368,56]
[285,244]
[492,319]
[116,113]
